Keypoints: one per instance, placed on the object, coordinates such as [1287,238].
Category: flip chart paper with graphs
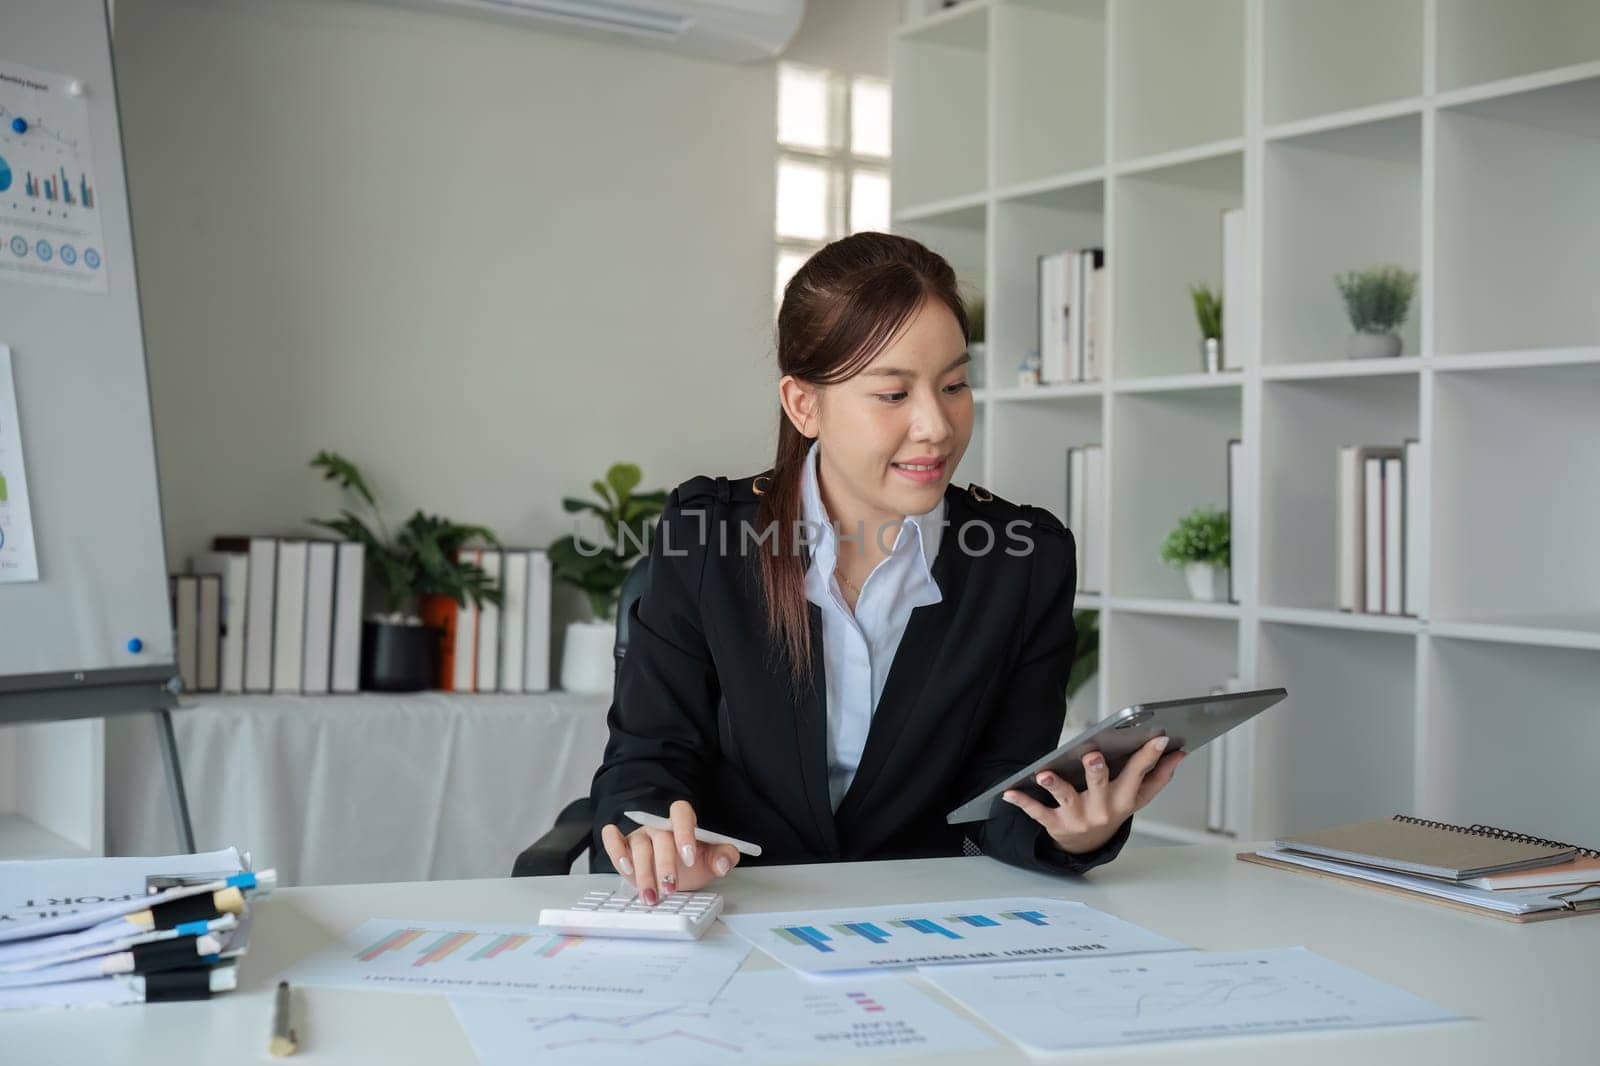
[1181,996]
[522,960]
[930,934]
[768,1017]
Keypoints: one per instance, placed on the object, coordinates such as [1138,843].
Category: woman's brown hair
[841,308]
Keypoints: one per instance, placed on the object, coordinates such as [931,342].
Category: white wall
[484,261]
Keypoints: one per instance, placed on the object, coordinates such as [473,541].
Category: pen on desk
[284,1040]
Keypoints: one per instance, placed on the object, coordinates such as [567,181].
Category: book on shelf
[1086,497]
[234,568]
[1414,543]
[1393,533]
[1235,499]
[344,674]
[536,660]
[487,676]
[316,659]
[513,619]
[1360,530]
[1072,315]
[185,593]
[259,596]
[289,617]
[464,657]
[208,657]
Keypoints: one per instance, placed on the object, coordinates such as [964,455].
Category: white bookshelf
[1460,138]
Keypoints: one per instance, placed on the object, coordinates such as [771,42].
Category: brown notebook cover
[1433,849]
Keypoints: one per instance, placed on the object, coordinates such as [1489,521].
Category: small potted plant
[1199,545]
[1208,315]
[597,569]
[1377,300]
[419,563]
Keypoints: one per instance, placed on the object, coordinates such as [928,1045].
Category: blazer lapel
[915,660]
[811,739]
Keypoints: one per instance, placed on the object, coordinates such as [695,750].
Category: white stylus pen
[705,836]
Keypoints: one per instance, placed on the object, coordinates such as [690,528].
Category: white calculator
[680,916]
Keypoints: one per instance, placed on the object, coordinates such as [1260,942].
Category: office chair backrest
[632,588]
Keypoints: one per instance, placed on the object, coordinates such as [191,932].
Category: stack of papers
[95,932]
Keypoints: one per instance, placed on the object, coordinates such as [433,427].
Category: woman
[830,656]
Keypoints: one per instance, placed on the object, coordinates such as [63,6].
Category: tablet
[1191,723]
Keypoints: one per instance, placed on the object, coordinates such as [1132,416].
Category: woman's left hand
[1083,821]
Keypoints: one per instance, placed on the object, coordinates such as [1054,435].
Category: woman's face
[892,435]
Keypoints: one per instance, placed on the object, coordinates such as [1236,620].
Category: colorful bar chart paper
[936,933]
[523,960]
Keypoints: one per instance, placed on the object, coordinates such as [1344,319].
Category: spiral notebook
[1432,849]
[1373,846]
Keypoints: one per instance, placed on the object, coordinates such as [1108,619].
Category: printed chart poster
[770,1016]
[49,205]
[18,560]
[931,934]
[523,960]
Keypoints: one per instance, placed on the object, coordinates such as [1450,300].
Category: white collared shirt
[858,647]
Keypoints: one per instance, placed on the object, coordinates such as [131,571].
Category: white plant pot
[1372,345]
[587,663]
[1207,582]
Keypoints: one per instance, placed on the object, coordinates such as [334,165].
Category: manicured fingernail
[649,897]
[625,864]
[687,851]
[1096,763]
[1161,743]
[722,866]
[1009,797]
[668,884]
[1047,779]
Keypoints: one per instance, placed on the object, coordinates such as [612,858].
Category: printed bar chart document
[771,1016]
[926,934]
[1182,995]
[522,960]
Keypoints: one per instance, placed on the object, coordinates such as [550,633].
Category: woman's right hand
[662,861]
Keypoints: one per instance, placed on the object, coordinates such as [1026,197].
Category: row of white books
[1072,316]
[504,647]
[1086,501]
[1377,554]
[271,614]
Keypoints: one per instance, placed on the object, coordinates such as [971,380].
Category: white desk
[361,788]
[1531,988]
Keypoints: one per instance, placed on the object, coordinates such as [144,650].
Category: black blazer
[705,712]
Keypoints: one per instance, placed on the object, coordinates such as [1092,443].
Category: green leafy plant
[597,567]
[1201,536]
[1207,310]
[421,559]
[1377,299]
[1086,659]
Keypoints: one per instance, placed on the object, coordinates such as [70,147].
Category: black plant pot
[398,658]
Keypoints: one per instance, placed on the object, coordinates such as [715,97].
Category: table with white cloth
[372,787]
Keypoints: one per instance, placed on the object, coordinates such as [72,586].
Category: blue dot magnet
[135,645]
[19,125]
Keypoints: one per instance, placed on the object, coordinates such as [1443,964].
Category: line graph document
[927,934]
[1182,995]
[510,960]
[767,1016]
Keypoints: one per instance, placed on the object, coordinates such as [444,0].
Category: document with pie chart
[50,231]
